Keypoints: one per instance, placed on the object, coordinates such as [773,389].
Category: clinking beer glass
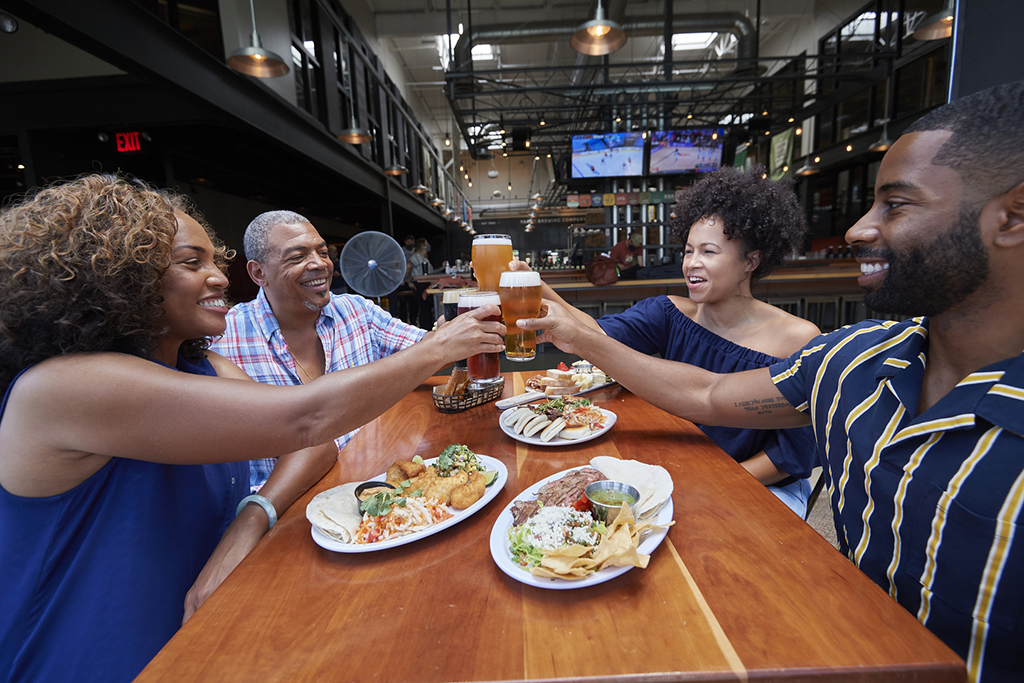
[491,256]
[483,368]
[450,306]
[520,298]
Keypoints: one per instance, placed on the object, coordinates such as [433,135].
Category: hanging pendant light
[395,170]
[420,189]
[354,135]
[599,36]
[256,60]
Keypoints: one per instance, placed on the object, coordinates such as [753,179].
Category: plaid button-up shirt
[353,330]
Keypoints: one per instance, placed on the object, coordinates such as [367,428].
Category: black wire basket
[456,404]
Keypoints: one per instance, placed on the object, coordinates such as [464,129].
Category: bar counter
[795,281]
[740,588]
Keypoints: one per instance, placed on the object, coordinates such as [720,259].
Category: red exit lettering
[128,142]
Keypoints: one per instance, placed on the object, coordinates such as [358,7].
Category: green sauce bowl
[606,499]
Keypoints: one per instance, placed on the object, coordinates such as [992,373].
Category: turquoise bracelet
[264,503]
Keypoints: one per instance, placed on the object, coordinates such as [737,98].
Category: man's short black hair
[764,214]
[987,144]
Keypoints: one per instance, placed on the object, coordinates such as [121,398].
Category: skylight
[691,41]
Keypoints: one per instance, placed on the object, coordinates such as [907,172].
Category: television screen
[693,150]
[608,155]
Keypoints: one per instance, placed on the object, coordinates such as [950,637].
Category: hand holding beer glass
[450,307]
[520,298]
[483,368]
[491,256]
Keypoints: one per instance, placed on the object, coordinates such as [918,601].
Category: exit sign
[128,142]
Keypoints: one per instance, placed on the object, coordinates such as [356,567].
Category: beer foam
[492,239]
[520,278]
[478,299]
[451,296]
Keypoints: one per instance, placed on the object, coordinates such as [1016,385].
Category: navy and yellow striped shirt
[929,505]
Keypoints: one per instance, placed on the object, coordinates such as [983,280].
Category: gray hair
[257,235]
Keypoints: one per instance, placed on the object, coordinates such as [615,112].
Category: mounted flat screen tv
[692,150]
[607,156]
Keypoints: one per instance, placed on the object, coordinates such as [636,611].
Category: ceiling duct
[714,22]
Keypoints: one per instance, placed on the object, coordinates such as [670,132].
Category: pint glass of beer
[491,256]
[450,303]
[520,298]
[483,367]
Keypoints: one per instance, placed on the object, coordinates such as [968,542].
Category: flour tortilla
[652,481]
[336,512]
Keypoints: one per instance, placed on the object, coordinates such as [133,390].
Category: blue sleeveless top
[93,580]
[655,325]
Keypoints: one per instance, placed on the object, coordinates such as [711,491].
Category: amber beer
[491,256]
[450,308]
[520,298]
[483,367]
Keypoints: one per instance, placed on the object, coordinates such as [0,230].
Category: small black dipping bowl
[371,485]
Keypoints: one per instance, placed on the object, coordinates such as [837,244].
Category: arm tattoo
[764,406]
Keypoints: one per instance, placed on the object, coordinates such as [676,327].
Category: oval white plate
[502,557]
[609,420]
[328,543]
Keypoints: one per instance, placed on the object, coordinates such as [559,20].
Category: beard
[931,279]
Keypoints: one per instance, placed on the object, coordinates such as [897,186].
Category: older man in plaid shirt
[296,330]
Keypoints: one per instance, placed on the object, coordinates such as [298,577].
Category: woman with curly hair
[122,455]
[737,226]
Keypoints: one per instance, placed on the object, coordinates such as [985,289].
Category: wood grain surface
[740,589]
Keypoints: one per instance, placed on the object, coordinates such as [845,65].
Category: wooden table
[741,588]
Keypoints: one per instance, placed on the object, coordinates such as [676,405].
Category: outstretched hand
[558,326]
[470,334]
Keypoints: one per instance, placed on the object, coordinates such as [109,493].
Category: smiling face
[298,270]
[193,290]
[716,268]
[919,246]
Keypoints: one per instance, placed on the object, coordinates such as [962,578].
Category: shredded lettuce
[523,553]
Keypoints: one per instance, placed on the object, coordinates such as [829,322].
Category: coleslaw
[407,515]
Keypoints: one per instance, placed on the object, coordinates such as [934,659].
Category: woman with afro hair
[737,226]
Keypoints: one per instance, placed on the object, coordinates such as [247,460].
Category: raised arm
[114,405]
[551,295]
[744,399]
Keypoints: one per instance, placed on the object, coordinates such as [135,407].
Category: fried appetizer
[470,492]
[401,470]
[439,487]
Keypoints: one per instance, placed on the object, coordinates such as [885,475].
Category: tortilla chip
[546,574]
[573,551]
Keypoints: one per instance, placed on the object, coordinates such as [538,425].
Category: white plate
[325,541]
[500,545]
[609,420]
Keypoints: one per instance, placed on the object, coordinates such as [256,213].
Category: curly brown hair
[80,270]
[764,214]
